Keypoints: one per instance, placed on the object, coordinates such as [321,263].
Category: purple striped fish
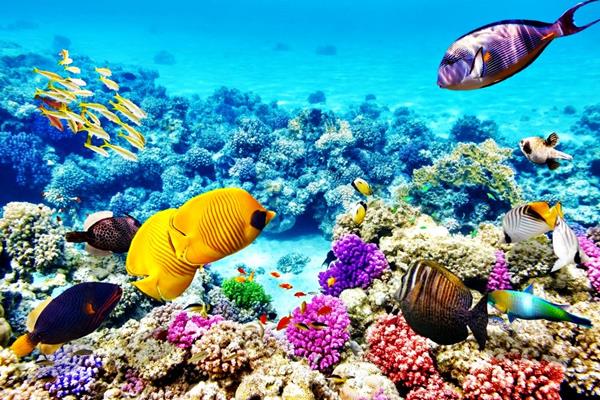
[497,51]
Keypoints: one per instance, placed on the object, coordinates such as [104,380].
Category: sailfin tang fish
[172,244]
[566,246]
[73,314]
[542,151]
[436,304]
[525,305]
[529,220]
[497,51]
[104,234]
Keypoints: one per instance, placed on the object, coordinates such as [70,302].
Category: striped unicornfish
[529,220]
[171,245]
[499,50]
[566,246]
[436,304]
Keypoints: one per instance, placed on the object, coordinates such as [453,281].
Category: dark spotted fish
[105,234]
[75,313]
[497,51]
[529,220]
[436,304]
[542,151]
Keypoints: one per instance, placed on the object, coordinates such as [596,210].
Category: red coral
[514,378]
[436,389]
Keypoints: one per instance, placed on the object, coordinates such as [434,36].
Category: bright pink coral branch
[186,328]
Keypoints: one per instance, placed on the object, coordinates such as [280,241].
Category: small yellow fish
[132,141]
[83,352]
[104,71]
[53,113]
[50,75]
[83,93]
[362,186]
[73,70]
[120,108]
[73,126]
[77,81]
[126,154]
[131,106]
[66,60]
[88,144]
[96,131]
[74,117]
[93,117]
[111,116]
[112,85]
[196,358]
[359,212]
[64,53]
[132,132]
[53,95]
[337,379]
[94,106]
[198,308]
[68,84]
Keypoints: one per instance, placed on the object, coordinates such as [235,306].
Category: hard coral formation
[185,328]
[357,265]
[246,294]
[499,278]
[319,331]
[293,262]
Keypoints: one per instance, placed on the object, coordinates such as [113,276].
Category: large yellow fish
[172,244]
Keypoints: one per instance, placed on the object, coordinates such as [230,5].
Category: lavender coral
[319,332]
[593,265]
[358,264]
[499,278]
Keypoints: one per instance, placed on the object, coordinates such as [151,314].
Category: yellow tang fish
[173,243]
[109,83]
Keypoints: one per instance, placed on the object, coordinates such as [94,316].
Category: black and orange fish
[75,313]
[104,234]
[497,51]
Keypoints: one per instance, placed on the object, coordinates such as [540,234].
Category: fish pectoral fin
[552,140]
[511,317]
[529,289]
[180,243]
[478,66]
[49,348]
[552,164]
[198,253]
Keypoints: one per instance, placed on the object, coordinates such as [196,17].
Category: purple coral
[358,264]
[499,278]
[74,374]
[320,331]
[593,265]
[134,384]
[185,329]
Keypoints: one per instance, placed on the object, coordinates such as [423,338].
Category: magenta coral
[514,378]
[593,265]
[185,329]
[499,278]
[320,331]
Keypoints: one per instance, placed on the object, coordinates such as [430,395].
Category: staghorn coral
[357,265]
[320,345]
[514,378]
[31,237]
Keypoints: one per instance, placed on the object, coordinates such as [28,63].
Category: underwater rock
[163,57]
[316,97]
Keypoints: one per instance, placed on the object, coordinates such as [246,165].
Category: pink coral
[321,343]
[185,329]
[499,278]
[514,378]
[436,389]
[593,265]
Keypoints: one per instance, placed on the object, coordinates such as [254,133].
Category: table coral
[514,378]
[31,237]
[320,345]
[357,265]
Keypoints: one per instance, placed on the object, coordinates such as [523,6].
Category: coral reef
[293,262]
[499,278]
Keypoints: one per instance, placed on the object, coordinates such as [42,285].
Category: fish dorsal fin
[529,289]
[35,313]
[49,348]
[478,66]
[95,217]
[511,317]
[552,140]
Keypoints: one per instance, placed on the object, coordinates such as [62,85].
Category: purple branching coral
[74,374]
[499,278]
[320,332]
[185,328]
[593,265]
[358,264]
[133,385]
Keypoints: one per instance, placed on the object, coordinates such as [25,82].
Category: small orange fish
[324,310]
[286,286]
[251,277]
[302,326]
[49,102]
[299,294]
[275,274]
[284,322]
[303,307]
[263,319]
[331,281]
[241,271]
[240,279]
[55,122]
[318,325]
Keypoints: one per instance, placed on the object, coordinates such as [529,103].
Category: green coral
[471,164]
[245,294]
[32,238]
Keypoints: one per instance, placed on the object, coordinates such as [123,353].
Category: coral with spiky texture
[515,378]
[499,278]
[357,265]
[593,265]
[186,328]
[319,331]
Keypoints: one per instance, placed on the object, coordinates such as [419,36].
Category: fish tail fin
[579,320]
[561,155]
[76,237]
[566,22]
[23,345]
[478,322]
